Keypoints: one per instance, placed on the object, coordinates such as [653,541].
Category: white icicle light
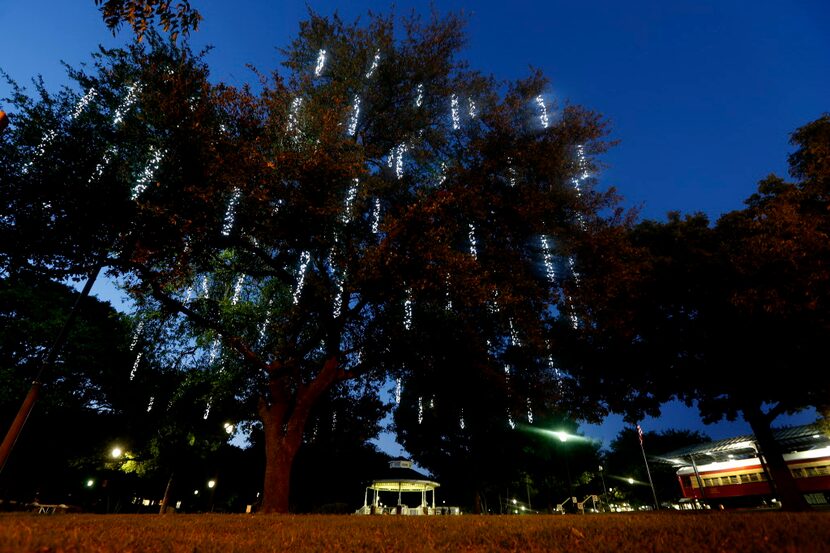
[207,410]
[354,118]
[449,297]
[135,364]
[510,422]
[338,298]
[548,258]
[150,404]
[461,420]
[529,412]
[419,98]
[149,172]
[136,334]
[105,160]
[125,106]
[305,257]
[456,118]
[543,111]
[375,62]
[472,236]
[347,204]
[230,212]
[333,421]
[376,216]
[420,410]
[321,62]
[399,160]
[407,310]
[205,289]
[471,108]
[398,390]
[574,272]
[214,350]
[514,335]
[237,289]
[293,126]
[83,103]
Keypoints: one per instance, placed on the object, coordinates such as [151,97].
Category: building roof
[794,438]
[400,476]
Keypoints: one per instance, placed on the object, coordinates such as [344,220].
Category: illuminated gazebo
[400,478]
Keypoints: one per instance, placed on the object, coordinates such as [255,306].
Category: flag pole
[648,471]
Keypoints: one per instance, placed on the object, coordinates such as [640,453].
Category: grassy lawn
[647,532]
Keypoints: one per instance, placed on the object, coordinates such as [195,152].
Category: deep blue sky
[701,95]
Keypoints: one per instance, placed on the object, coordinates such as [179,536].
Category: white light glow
[150,404]
[461,422]
[548,258]
[230,212]
[420,410]
[419,98]
[529,412]
[321,63]
[472,236]
[148,173]
[375,62]
[305,257]
[354,118]
[237,289]
[376,216]
[83,103]
[129,100]
[347,204]
[205,289]
[105,160]
[338,298]
[456,118]
[215,347]
[135,364]
[471,108]
[207,410]
[136,334]
[399,160]
[398,390]
[407,310]
[543,111]
[293,127]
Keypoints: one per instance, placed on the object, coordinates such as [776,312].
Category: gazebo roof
[400,476]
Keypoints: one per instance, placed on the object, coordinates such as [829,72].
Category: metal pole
[604,490]
[654,493]
[29,402]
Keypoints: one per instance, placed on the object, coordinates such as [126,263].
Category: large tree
[724,315]
[301,232]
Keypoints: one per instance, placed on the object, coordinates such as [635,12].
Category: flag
[640,434]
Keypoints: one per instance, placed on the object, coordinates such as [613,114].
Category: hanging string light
[205,291]
[305,257]
[398,390]
[375,62]
[407,310]
[461,422]
[472,236]
[129,100]
[321,62]
[148,173]
[354,117]
[83,103]
[207,409]
[293,126]
[548,258]
[230,212]
[237,289]
[456,118]
[419,98]
[376,216]
[543,111]
[135,364]
[471,108]
[338,298]
[529,412]
[136,334]
[150,404]
[420,410]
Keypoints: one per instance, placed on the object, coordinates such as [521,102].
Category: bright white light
[214,350]
[135,365]
[398,390]
[90,483]
[575,273]
[136,334]
[407,310]
[230,212]
[79,107]
[419,99]
[129,100]
[355,113]
[347,204]
[461,422]
[305,257]
[338,298]
[529,412]
[511,423]
[456,119]
[147,174]
[237,289]
[420,410]
[228,427]
[321,62]
[211,483]
[105,160]
[543,111]
[376,216]
[546,255]
[150,404]
[472,236]
[293,127]
[375,62]
[207,410]
[116,452]
[471,108]
[514,335]
[399,160]
[205,290]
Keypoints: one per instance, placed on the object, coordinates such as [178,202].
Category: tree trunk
[783,483]
[280,449]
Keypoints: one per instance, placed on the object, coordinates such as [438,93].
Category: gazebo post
[433,499]
[365,498]
[399,496]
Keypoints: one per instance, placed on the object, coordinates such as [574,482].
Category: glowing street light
[211,484]
[116,452]
[90,483]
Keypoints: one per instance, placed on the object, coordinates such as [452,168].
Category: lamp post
[563,437]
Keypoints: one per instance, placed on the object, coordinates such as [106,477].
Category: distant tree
[299,235]
[141,15]
[724,315]
[625,460]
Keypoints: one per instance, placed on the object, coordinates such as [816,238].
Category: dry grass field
[725,532]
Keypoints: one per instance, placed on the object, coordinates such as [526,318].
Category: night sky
[701,95]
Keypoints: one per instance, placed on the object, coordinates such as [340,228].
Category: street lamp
[116,452]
